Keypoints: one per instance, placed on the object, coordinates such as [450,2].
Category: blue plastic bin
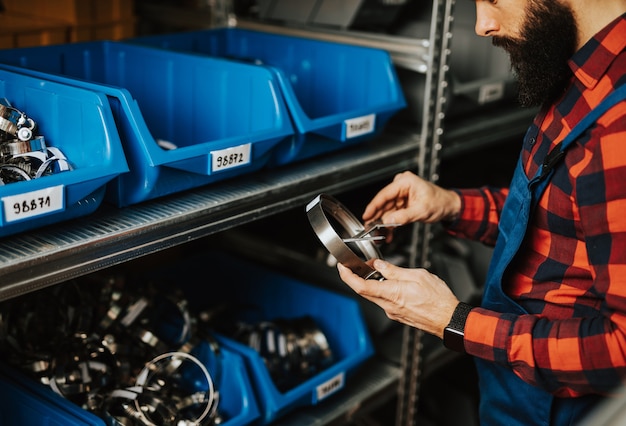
[237,405]
[23,401]
[337,94]
[225,118]
[273,296]
[26,402]
[80,124]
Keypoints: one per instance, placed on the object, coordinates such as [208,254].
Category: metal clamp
[155,377]
[23,155]
[15,147]
[325,214]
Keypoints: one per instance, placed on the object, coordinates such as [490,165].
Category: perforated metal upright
[430,148]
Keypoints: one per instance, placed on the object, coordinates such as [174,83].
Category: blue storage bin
[26,402]
[225,118]
[337,94]
[237,404]
[275,296]
[80,124]
[23,401]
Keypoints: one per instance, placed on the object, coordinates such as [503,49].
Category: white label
[34,203]
[230,157]
[329,387]
[490,92]
[360,126]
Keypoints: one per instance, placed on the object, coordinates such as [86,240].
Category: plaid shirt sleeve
[480,213]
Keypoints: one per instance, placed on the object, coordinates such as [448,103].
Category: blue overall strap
[505,399]
[557,153]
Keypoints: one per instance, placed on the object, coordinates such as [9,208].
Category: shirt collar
[591,62]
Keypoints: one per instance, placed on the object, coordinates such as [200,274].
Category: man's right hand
[409,198]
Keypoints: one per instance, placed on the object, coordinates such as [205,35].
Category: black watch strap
[454,332]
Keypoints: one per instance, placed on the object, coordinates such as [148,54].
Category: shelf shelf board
[57,253]
[407,52]
[473,133]
[373,384]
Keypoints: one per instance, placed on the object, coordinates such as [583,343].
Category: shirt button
[532,141]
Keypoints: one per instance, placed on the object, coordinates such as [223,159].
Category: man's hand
[413,297]
[409,198]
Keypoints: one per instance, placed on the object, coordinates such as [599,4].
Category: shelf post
[435,97]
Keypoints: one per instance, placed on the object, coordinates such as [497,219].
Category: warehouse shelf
[50,255]
[407,52]
[473,133]
[375,383]
[111,236]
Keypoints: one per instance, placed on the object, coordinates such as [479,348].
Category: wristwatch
[454,332]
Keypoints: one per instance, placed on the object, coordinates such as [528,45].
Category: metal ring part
[10,119]
[167,364]
[90,346]
[322,212]
[18,147]
[293,349]
[17,172]
[21,149]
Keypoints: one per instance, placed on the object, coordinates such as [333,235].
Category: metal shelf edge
[407,52]
[110,236]
[373,384]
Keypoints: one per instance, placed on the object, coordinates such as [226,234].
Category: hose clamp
[335,227]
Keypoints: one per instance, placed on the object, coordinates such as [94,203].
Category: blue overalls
[505,399]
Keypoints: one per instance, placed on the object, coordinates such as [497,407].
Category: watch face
[453,339]
[454,333]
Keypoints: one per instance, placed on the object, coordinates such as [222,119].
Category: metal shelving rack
[52,255]
[111,236]
[432,132]
[47,256]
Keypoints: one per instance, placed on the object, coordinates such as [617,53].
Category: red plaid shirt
[570,273]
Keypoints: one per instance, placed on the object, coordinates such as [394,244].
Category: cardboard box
[24,31]
[117,30]
[113,10]
[73,11]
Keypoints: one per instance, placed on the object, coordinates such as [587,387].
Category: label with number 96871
[34,203]
[229,158]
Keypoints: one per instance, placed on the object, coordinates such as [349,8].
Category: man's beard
[540,57]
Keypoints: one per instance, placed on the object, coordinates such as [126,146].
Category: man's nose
[486,23]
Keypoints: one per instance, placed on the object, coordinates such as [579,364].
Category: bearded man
[549,338]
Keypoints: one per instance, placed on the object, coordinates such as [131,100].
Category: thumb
[400,217]
[388,270]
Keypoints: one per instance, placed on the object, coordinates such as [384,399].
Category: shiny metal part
[366,234]
[23,155]
[18,147]
[163,370]
[323,212]
[13,120]
[9,119]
